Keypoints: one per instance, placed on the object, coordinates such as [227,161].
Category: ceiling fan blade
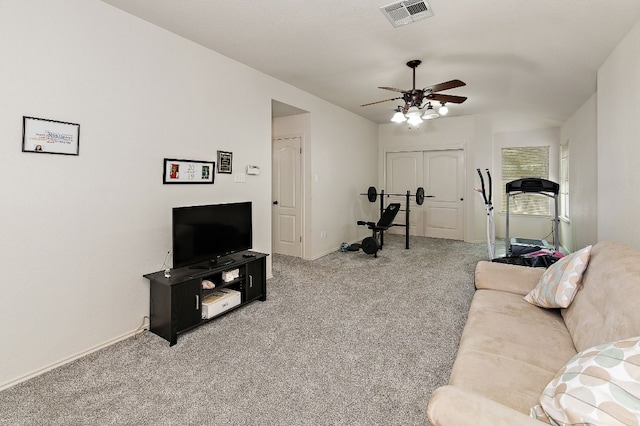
[445,86]
[394,89]
[378,102]
[446,98]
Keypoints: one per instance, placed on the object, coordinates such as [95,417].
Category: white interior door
[444,179]
[287,197]
[404,172]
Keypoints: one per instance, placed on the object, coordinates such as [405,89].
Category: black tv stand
[176,302]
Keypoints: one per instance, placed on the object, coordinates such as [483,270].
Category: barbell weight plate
[372,194]
[420,196]
[369,245]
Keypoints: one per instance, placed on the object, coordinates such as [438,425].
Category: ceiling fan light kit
[398,117]
[414,120]
[430,113]
[417,102]
[413,111]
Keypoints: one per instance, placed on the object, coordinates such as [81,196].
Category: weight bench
[372,244]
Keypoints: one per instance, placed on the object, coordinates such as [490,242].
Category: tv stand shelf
[176,301]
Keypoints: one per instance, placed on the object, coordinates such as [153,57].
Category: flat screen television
[209,233]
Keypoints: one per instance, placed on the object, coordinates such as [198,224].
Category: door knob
[461,199]
[275,202]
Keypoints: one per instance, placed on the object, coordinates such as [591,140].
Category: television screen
[206,233]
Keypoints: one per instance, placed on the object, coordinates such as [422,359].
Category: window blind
[523,162]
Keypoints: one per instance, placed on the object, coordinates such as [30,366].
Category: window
[564,180]
[522,162]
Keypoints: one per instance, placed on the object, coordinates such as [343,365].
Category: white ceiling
[519,58]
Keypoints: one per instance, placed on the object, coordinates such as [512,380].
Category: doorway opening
[291,127]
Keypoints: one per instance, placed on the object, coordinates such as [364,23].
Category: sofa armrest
[450,405]
[505,277]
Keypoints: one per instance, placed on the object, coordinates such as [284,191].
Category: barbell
[372,195]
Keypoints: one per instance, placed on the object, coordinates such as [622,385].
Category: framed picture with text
[187,171]
[50,136]
[224,162]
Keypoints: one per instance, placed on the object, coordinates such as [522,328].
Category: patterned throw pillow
[599,386]
[559,283]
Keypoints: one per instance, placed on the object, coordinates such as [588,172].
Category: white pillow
[599,386]
[559,283]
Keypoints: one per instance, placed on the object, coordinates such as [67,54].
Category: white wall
[618,104]
[79,232]
[343,163]
[473,133]
[580,131]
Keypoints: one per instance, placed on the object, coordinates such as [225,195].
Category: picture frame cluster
[45,136]
[177,171]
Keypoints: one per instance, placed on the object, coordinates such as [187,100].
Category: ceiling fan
[420,98]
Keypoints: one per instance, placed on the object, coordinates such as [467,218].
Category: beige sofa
[510,349]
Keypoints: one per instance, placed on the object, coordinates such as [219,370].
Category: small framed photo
[224,162]
[187,171]
[50,136]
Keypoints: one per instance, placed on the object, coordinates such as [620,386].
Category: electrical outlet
[323,234]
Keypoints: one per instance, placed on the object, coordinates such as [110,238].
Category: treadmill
[536,186]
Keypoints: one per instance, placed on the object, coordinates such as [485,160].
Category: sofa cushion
[601,310]
[510,349]
[506,277]
[598,386]
[451,405]
[559,283]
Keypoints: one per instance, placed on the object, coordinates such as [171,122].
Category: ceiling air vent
[406,12]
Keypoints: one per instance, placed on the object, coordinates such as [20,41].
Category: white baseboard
[357,240]
[60,363]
